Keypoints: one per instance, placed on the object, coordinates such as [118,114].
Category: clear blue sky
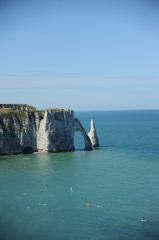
[80,54]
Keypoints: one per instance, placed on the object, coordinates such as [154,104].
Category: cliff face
[56,132]
[33,131]
[18,131]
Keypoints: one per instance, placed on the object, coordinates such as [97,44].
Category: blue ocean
[44,196]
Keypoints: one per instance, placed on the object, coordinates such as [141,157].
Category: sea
[44,196]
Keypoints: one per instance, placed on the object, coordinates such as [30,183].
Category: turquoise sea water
[43,196]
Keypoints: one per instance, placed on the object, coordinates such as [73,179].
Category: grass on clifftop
[21,114]
[9,113]
[57,110]
[17,106]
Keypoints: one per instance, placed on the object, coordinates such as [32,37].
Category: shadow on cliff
[28,150]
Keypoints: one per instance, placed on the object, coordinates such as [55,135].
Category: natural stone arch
[27,150]
[87,141]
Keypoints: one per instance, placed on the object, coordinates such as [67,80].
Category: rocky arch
[27,150]
[78,127]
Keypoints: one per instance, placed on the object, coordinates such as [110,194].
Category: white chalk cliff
[93,135]
[51,130]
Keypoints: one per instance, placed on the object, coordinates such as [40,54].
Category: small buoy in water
[98,206]
[88,205]
[41,190]
[85,199]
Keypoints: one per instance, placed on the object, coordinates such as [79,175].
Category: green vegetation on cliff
[8,112]
[21,114]
[19,117]
[17,106]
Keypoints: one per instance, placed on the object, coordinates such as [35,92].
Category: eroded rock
[93,135]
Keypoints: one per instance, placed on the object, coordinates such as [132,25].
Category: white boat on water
[143,219]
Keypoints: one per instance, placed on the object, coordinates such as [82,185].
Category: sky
[84,55]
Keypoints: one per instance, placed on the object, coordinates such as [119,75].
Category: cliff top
[17,107]
[10,112]
[59,110]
